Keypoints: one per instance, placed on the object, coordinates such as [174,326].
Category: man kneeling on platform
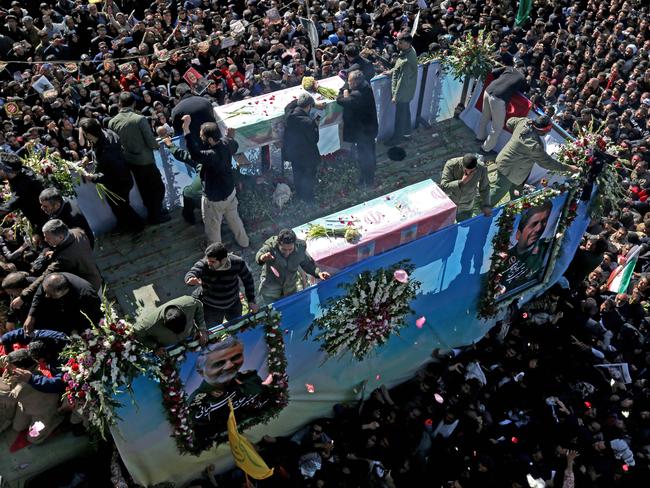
[460,179]
[23,404]
[172,322]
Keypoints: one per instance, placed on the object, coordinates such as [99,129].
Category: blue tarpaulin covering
[451,264]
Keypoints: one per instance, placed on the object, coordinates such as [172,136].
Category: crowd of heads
[585,62]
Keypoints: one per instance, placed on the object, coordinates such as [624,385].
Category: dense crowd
[584,61]
[529,404]
[526,403]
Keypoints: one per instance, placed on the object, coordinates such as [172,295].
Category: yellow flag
[246,457]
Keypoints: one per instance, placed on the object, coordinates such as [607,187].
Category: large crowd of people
[557,392]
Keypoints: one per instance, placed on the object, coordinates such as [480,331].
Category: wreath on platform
[175,400]
[375,307]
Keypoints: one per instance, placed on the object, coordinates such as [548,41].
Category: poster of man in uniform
[531,244]
[232,369]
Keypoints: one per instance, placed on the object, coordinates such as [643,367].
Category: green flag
[523,12]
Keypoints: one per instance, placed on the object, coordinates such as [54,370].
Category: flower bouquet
[375,307]
[583,153]
[56,171]
[471,57]
[310,85]
[350,233]
[101,363]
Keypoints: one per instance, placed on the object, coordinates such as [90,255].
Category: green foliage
[471,57]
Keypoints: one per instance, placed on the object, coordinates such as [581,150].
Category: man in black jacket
[64,302]
[219,198]
[198,108]
[358,62]
[57,207]
[508,80]
[111,170]
[217,275]
[360,123]
[300,145]
[25,188]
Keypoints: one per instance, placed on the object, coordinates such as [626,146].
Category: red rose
[75,367]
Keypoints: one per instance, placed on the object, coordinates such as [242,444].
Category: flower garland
[175,399]
[501,241]
[375,307]
[103,362]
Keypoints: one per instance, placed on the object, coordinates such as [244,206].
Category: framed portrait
[531,244]
[243,364]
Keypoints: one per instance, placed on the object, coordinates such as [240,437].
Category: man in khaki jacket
[517,158]
[280,258]
[172,322]
[404,79]
[461,177]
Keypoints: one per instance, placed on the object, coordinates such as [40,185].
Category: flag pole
[313,48]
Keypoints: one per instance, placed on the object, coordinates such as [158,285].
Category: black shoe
[188,216]
[160,219]
[393,142]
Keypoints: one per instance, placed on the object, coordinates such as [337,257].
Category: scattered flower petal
[419,323]
[401,276]
[310,388]
[36,429]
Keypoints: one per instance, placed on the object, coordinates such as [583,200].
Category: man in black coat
[300,145]
[25,188]
[64,302]
[111,170]
[57,207]
[219,198]
[360,123]
[358,62]
[198,108]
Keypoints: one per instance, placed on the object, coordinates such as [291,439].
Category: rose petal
[275,271]
[310,388]
[438,398]
[419,323]
[401,276]
[36,428]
